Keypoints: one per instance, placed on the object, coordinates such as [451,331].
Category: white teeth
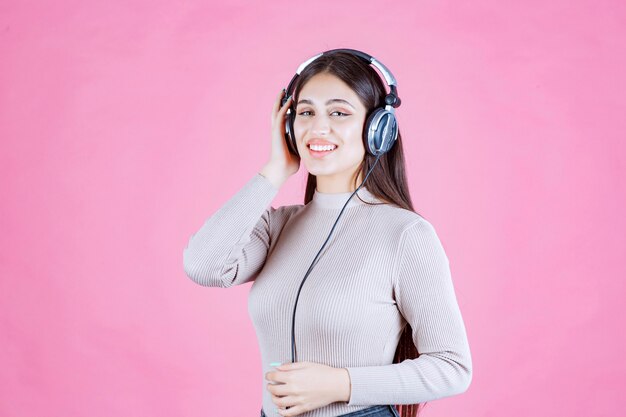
[322,147]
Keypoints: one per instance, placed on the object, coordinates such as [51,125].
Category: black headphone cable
[293,320]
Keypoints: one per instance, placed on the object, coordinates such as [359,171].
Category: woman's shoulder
[282,214]
[285,210]
[401,216]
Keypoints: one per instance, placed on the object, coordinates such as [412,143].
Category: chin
[317,171]
[328,172]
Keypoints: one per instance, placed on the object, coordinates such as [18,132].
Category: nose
[320,126]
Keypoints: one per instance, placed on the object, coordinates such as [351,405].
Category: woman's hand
[282,163]
[305,386]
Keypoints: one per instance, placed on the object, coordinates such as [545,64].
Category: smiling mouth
[320,148]
[318,151]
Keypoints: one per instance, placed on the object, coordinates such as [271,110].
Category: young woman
[377,321]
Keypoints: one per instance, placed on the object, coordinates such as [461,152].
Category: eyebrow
[332,100]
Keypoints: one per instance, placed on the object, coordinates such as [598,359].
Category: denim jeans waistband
[373,411]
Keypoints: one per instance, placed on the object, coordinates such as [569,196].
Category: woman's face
[330,113]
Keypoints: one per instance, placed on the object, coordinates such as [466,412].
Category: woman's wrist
[343,384]
[274,174]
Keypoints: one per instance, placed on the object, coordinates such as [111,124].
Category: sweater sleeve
[231,246]
[426,298]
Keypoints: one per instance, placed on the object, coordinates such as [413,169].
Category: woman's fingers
[277,104]
[287,104]
[278,109]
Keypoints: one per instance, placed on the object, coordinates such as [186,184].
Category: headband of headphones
[391,99]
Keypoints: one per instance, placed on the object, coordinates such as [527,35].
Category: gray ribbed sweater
[383,266]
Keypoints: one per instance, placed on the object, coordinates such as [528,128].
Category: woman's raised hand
[282,163]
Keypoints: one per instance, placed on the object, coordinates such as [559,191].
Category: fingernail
[275,364]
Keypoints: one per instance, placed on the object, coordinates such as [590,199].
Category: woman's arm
[231,246]
[426,298]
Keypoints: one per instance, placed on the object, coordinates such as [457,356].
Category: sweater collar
[337,200]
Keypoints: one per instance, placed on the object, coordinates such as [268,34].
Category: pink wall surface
[125,124]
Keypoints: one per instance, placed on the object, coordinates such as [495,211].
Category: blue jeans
[373,411]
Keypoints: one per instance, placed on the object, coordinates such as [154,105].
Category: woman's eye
[335,113]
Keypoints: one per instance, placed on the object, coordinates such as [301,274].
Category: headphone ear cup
[381,131]
[289,135]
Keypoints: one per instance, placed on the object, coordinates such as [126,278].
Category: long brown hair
[387,180]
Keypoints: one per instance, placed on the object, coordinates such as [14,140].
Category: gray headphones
[381,127]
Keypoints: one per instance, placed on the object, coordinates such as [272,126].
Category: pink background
[125,124]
